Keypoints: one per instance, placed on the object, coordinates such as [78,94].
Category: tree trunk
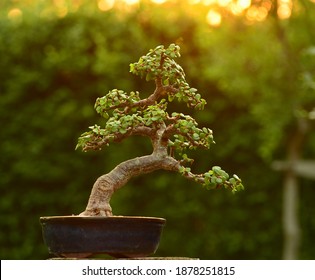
[291,226]
[106,185]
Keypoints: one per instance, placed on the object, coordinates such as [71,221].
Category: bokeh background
[252,60]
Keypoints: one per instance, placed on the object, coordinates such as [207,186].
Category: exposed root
[97,212]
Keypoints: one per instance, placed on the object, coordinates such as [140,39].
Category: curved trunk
[106,185]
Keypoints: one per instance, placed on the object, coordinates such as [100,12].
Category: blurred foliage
[254,76]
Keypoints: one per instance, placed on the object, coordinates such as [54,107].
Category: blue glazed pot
[118,236]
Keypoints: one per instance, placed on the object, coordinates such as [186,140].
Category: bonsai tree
[171,133]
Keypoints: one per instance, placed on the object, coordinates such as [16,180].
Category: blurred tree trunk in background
[291,223]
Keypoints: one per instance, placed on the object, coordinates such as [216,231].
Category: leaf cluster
[215,178]
[159,65]
[127,114]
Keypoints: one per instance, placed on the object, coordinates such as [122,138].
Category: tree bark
[106,185]
[291,226]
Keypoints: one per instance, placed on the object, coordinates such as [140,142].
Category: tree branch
[97,142]
[159,92]
[106,185]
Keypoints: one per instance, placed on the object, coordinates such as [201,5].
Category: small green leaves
[115,98]
[159,63]
[214,179]
[127,114]
[184,170]
[188,135]
[155,114]
[196,136]
[173,51]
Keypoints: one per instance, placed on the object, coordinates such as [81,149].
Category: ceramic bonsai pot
[118,236]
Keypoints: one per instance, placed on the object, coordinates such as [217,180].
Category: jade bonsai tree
[171,133]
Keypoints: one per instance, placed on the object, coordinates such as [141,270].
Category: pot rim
[77,217]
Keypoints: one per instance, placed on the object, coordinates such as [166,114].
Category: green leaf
[170,98]
[216,169]
[237,178]
[132,67]
[122,130]
[218,180]
[232,181]
[196,136]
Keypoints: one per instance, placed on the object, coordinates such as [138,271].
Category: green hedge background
[54,67]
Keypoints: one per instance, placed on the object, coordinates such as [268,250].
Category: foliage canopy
[128,114]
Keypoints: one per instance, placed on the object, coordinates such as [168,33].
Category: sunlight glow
[244,4]
[209,2]
[223,3]
[159,1]
[257,13]
[15,14]
[131,2]
[62,8]
[194,2]
[214,18]
[105,5]
[284,9]
[236,9]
